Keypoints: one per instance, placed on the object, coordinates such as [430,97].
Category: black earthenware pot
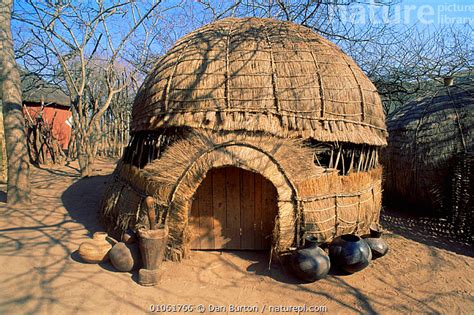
[377,245]
[375,230]
[310,263]
[350,253]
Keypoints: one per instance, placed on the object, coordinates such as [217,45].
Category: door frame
[248,157]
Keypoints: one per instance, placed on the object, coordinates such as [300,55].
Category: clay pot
[375,230]
[350,253]
[377,246]
[96,250]
[310,263]
[129,237]
[125,257]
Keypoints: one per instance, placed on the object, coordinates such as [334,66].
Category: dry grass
[261,75]
[174,178]
[335,205]
[425,138]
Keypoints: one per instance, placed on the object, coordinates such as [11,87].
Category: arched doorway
[233,209]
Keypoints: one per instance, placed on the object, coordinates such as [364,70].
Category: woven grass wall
[311,199]
[334,205]
[173,179]
[461,207]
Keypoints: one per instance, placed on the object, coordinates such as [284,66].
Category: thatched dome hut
[431,145]
[251,133]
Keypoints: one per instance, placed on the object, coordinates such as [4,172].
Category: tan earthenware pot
[96,250]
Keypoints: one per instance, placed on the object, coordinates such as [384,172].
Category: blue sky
[445,12]
[174,23]
[411,12]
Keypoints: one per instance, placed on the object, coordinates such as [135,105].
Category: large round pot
[310,263]
[96,250]
[350,253]
[125,257]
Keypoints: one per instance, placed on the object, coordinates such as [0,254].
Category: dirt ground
[40,271]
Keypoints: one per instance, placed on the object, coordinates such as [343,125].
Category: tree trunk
[3,152]
[83,153]
[82,140]
[18,190]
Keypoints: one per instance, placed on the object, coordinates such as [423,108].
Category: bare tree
[18,190]
[88,49]
[339,20]
[414,61]
[403,60]
[76,35]
[112,128]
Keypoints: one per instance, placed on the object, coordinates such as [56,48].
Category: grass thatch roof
[36,90]
[424,137]
[261,75]
[435,127]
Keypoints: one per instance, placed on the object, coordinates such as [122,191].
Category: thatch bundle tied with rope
[244,117]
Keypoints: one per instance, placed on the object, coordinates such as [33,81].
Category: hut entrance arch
[233,209]
[215,154]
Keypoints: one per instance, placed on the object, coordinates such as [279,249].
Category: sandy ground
[40,271]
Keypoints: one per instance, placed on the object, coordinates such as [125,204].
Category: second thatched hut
[429,160]
[250,134]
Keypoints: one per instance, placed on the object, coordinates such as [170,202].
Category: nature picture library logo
[404,12]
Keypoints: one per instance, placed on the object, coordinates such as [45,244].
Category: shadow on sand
[425,230]
[82,200]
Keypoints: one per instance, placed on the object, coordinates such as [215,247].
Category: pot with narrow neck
[376,243]
[96,250]
[310,263]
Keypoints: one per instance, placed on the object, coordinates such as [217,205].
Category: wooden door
[233,209]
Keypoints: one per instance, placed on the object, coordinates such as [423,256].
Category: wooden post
[150,205]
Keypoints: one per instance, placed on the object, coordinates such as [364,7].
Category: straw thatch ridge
[261,75]
[425,137]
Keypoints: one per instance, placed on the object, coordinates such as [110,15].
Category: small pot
[129,237]
[375,230]
[96,250]
[377,245]
[125,257]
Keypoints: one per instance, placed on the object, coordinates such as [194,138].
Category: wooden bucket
[152,248]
